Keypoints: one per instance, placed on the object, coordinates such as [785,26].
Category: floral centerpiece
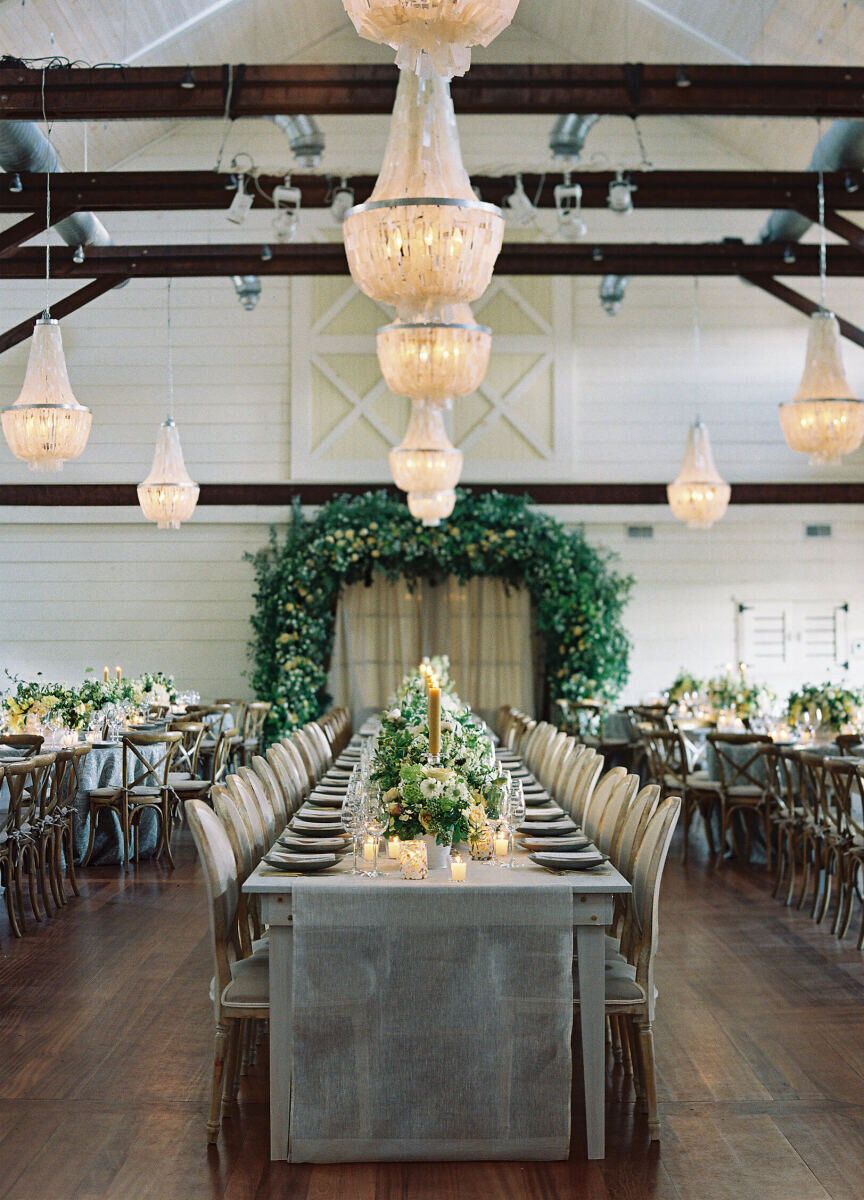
[46,707]
[157,688]
[827,704]
[683,685]
[735,690]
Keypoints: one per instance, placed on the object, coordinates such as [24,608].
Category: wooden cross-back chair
[217,769]
[669,764]
[25,743]
[67,785]
[253,730]
[189,750]
[846,850]
[145,787]
[740,761]
[27,782]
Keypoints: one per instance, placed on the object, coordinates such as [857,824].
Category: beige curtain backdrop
[384,630]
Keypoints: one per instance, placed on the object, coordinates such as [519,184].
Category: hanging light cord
[697,347]
[823,249]
[47,313]
[170,360]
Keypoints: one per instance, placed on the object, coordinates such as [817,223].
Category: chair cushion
[178,776]
[190,785]
[250,983]
[620,987]
[106,793]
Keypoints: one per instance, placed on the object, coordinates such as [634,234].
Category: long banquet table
[285,897]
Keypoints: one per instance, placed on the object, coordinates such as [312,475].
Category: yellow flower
[376,554]
[354,557]
[373,524]
[510,533]
[284,637]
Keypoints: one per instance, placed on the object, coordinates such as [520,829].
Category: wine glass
[352,817]
[376,821]
[515,815]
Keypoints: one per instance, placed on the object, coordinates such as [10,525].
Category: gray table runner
[431,1021]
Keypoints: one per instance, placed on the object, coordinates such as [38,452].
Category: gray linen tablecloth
[431,1022]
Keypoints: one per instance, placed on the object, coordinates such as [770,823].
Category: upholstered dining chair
[144,787]
[241,986]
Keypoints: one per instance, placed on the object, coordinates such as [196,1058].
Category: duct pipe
[306,138]
[569,133]
[840,148]
[24,147]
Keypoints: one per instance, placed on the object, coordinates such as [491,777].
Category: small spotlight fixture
[568,203]
[188,80]
[343,199]
[596,254]
[518,207]
[850,183]
[240,204]
[78,256]
[15,184]
[286,202]
[266,253]
[682,79]
[612,289]
[620,198]
[248,289]
[789,255]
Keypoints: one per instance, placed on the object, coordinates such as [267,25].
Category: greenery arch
[577,597]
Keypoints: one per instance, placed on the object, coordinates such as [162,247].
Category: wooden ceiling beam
[158,191]
[69,304]
[802,304]
[731,257]
[38,495]
[143,93]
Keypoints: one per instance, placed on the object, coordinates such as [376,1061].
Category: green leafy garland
[577,598]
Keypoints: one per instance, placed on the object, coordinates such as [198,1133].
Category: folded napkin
[577,842]
[331,785]
[310,845]
[299,863]
[299,825]
[578,860]
[546,812]
[535,795]
[563,825]
[521,773]
[327,799]
[308,812]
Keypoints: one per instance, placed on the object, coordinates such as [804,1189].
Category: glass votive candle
[458,868]
[412,860]
[393,845]
[480,844]
[503,846]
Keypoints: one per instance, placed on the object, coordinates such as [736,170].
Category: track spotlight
[343,199]
[286,202]
[612,289]
[188,80]
[682,79]
[78,256]
[568,203]
[789,255]
[620,198]
[248,289]
[266,253]
[240,204]
[850,183]
[518,207]
[15,184]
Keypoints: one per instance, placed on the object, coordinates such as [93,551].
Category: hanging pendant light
[699,495]
[431,37]
[46,426]
[168,495]
[423,240]
[426,461]
[431,507]
[823,419]
[435,360]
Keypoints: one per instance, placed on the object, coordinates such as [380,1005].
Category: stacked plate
[569,860]
[299,864]
[297,844]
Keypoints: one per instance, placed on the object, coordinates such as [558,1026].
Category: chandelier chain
[48,127]
[823,249]
[697,347]
[170,358]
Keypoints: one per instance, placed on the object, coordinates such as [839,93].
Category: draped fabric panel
[384,630]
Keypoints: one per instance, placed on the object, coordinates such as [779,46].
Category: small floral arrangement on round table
[829,705]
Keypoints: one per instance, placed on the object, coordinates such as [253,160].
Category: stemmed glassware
[352,814]
[511,816]
[376,819]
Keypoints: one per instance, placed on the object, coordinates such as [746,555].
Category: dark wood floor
[105,1038]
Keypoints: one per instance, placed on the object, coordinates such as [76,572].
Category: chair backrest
[537,745]
[558,769]
[632,831]
[522,729]
[568,772]
[846,742]
[547,767]
[221,754]
[305,757]
[256,793]
[643,912]
[290,770]
[215,716]
[220,876]
[67,775]
[253,723]
[189,751]
[649,716]
[237,710]
[740,758]
[158,712]
[318,738]
[28,782]
[611,821]
[667,755]
[582,785]
[282,802]
[845,795]
[596,803]
[26,743]
[138,770]
[253,817]
[237,828]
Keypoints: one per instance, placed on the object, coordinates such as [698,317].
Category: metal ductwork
[840,148]
[24,147]
[306,138]
[248,289]
[569,133]
[612,291]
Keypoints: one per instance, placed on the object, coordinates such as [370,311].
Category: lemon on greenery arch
[577,598]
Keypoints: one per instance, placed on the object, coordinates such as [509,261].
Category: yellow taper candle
[434,717]
[105,675]
[119,674]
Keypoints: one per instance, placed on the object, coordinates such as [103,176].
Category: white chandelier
[823,419]
[46,426]
[426,461]
[699,495]
[168,495]
[431,507]
[423,240]
[435,360]
[431,36]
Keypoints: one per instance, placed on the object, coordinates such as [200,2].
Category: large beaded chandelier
[423,240]
[700,495]
[823,419]
[168,495]
[431,36]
